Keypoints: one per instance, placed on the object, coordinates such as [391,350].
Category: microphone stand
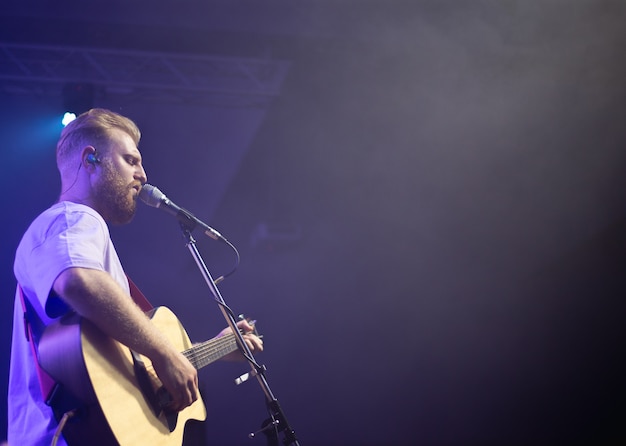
[277,421]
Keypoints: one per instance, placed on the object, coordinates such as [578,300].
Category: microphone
[152,196]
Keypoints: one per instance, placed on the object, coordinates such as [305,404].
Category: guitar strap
[34,328]
[54,394]
[138,296]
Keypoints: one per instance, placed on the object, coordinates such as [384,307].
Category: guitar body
[102,373]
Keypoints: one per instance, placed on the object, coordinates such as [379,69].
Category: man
[67,262]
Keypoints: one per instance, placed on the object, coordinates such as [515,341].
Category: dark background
[444,186]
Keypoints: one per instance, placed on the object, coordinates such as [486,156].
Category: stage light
[77,98]
[67,118]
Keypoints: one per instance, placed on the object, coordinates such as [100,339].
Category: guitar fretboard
[205,353]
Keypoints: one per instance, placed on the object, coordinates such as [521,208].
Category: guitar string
[199,353]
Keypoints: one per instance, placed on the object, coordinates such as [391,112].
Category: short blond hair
[93,128]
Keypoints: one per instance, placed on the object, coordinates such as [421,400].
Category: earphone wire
[95,161]
[74,182]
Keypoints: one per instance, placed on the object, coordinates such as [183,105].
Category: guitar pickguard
[158,398]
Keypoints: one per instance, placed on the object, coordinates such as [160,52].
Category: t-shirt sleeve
[73,239]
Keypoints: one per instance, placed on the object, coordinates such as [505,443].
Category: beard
[115,203]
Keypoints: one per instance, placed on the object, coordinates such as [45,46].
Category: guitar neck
[207,352]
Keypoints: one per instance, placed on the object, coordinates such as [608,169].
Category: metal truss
[148,76]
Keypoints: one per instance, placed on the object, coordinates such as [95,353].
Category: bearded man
[66,262]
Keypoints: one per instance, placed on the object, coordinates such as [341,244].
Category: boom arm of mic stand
[277,416]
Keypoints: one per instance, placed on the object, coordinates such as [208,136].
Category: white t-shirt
[66,235]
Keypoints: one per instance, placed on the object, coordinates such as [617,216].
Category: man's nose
[141,175]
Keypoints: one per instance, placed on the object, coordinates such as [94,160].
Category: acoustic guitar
[122,400]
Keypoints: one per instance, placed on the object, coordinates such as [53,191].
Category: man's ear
[90,157]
